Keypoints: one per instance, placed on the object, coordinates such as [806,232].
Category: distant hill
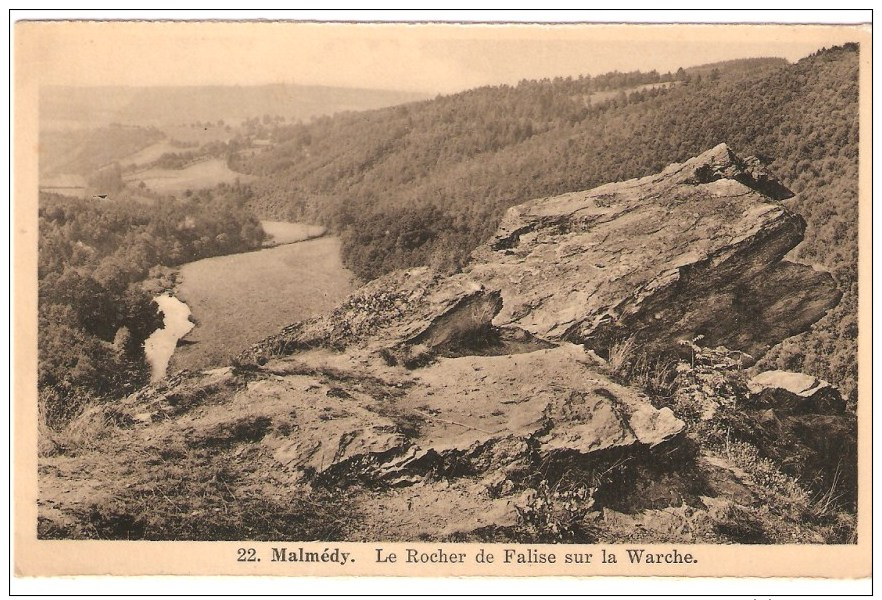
[80,107]
[81,152]
[426,182]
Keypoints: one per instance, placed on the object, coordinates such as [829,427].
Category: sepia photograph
[574,295]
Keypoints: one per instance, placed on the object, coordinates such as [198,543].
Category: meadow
[203,174]
[147,155]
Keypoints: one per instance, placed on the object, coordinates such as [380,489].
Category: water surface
[159,347]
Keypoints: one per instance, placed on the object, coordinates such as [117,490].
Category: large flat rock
[694,250]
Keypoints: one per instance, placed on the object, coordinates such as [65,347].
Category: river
[159,347]
[239,299]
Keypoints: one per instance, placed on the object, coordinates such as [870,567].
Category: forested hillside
[94,315]
[424,183]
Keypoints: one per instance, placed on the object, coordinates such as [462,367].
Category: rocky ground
[586,378]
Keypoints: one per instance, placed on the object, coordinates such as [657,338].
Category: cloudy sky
[415,57]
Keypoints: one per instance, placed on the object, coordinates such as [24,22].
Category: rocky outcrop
[404,427]
[488,428]
[692,253]
[695,250]
[795,393]
[402,309]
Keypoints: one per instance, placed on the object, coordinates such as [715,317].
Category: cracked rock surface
[695,250]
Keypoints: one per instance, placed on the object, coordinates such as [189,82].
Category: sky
[427,58]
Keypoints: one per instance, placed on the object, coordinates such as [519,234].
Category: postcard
[442,299]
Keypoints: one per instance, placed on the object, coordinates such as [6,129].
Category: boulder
[695,250]
[530,408]
[796,420]
[795,393]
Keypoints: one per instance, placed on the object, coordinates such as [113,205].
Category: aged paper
[482,507]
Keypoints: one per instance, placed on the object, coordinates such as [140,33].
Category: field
[149,154]
[239,299]
[204,174]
